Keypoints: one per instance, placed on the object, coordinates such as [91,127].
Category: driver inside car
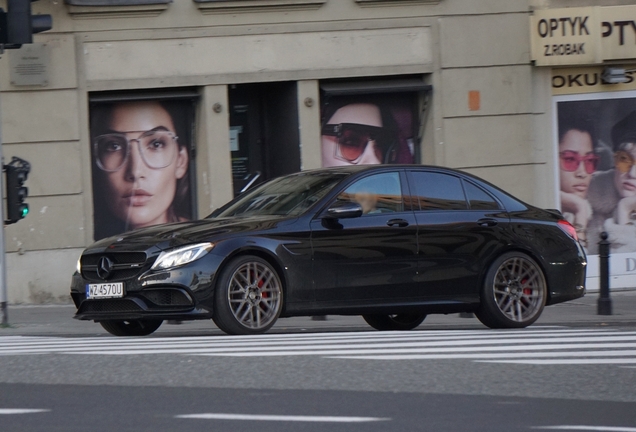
[367,200]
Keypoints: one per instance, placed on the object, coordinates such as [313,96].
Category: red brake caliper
[260,285]
[526,291]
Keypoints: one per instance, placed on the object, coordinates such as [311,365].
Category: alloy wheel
[254,295]
[519,289]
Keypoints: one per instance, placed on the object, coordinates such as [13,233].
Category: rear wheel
[131,328]
[248,296]
[514,292]
[394,322]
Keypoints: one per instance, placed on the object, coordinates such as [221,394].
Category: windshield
[284,196]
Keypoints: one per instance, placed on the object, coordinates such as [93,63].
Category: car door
[460,229]
[370,259]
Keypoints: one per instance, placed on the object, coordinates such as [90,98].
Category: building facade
[248,87]
[589,49]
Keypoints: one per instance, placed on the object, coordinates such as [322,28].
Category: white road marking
[506,355]
[589,428]
[178,345]
[540,346]
[564,361]
[21,411]
[265,340]
[308,348]
[282,418]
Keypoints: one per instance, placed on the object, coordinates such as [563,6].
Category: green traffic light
[25,211]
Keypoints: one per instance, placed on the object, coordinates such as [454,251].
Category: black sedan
[390,243]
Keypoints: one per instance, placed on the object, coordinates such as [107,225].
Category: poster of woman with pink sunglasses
[368,130]
[597,172]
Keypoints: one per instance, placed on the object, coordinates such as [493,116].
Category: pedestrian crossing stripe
[314,346]
[607,361]
[536,346]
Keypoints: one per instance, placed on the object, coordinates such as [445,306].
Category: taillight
[568,229]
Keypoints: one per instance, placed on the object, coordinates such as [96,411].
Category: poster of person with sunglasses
[368,129]
[140,164]
[597,172]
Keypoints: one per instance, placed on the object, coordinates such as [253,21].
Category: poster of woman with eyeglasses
[368,129]
[140,164]
[597,173]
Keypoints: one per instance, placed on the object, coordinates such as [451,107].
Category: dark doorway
[264,138]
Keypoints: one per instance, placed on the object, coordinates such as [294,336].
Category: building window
[115,2]
[396,2]
[116,8]
[216,6]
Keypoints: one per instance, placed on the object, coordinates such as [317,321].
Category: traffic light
[17,25]
[17,172]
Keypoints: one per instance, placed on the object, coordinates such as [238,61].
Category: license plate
[105,290]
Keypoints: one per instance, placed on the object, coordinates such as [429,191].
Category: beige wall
[499,140]
[457,45]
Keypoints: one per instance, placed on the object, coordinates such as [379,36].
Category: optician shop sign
[583,36]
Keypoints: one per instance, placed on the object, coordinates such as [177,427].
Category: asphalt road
[573,370]
[135,409]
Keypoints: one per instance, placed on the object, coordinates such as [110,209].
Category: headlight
[78,266]
[180,256]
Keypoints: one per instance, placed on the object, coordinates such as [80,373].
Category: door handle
[487,222]
[397,222]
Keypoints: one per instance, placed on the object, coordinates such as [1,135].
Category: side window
[479,199]
[437,191]
[379,193]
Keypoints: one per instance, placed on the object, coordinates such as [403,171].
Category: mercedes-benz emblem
[104,267]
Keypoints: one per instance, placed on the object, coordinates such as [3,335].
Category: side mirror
[344,210]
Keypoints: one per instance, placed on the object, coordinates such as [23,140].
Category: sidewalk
[57,320]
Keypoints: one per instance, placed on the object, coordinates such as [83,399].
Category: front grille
[127,265]
[117,257]
[108,306]
[167,297]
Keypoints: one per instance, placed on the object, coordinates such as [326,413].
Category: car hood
[167,236]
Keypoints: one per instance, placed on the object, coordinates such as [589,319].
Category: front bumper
[183,293]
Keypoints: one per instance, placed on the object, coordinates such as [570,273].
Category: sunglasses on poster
[158,149]
[623,161]
[353,139]
[571,160]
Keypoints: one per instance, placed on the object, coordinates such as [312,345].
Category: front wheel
[131,328]
[514,292]
[394,322]
[248,296]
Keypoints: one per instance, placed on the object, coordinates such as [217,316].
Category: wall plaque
[29,65]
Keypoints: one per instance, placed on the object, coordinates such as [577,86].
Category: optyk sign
[583,36]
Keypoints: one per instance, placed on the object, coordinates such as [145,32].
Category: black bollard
[604,305]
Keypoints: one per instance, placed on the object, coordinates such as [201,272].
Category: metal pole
[604,305]
[3,269]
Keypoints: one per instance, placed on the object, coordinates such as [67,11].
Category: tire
[514,292]
[249,296]
[131,328]
[394,322]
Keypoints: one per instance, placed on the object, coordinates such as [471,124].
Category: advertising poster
[141,165]
[596,151]
[369,129]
